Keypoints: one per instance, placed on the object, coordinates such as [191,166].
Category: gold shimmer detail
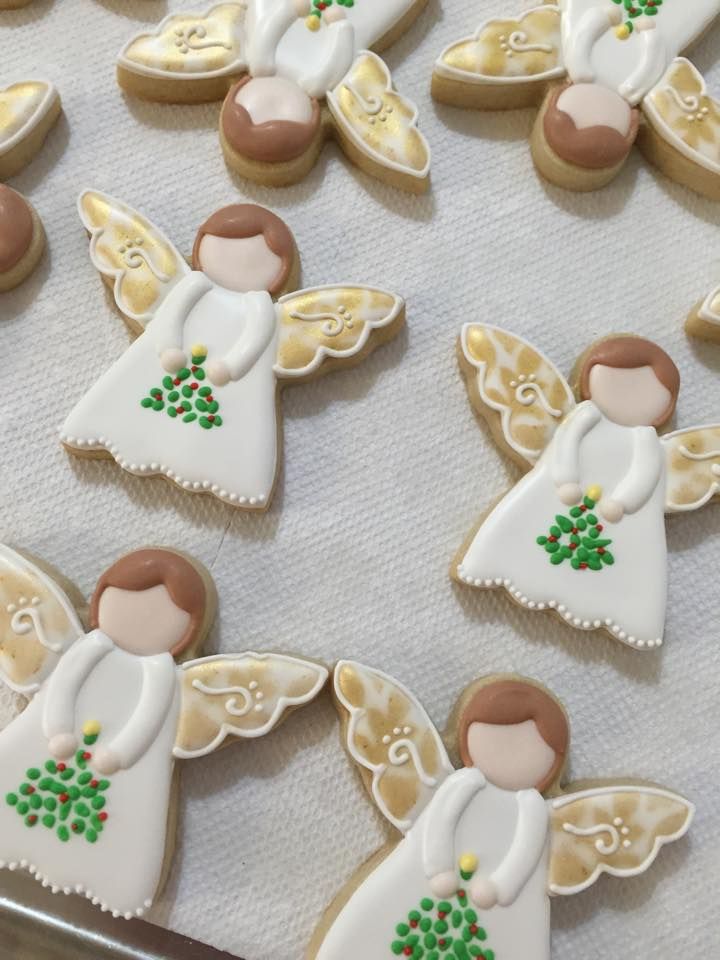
[243,696]
[526,47]
[525,391]
[21,105]
[330,322]
[377,119]
[188,43]
[680,109]
[127,249]
[616,830]
[693,467]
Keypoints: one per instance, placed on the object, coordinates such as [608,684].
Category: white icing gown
[632,67]
[507,832]
[629,466]
[236,460]
[280,43]
[136,701]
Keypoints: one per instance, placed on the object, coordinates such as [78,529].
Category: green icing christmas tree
[633,10]
[578,538]
[443,928]
[184,395]
[67,799]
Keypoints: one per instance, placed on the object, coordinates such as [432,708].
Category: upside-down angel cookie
[194,398]
[87,766]
[583,532]
[27,112]
[484,847]
[292,73]
[607,73]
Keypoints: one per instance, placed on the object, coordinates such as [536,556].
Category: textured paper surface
[385,470]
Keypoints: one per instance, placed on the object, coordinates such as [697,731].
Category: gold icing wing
[681,112]
[611,829]
[516,388]
[22,107]
[692,463]
[376,126]
[241,695]
[709,310]
[133,256]
[325,326]
[507,50]
[389,735]
[190,45]
[38,623]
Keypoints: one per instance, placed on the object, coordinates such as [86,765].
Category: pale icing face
[242,265]
[632,397]
[512,756]
[143,622]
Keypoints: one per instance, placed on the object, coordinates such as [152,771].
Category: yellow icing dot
[622,32]
[312,23]
[468,862]
[199,350]
[91,728]
[594,492]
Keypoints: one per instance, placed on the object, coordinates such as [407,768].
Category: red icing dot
[178,410]
[461,893]
[74,828]
[441,914]
[32,818]
[408,951]
[574,529]
[442,941]
[87,756]
[211,418]
[193,368]
[102,817]
[61,767]
[30,790]
[194,386]
[209,398]
[413,923]
[176,381]
[583,566]
[599,528]
[572,546]
[63,798]
[601,550]
[473,928]
[583,508]
[93,783]
[552,539]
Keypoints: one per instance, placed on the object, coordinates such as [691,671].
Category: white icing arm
[167,325]
[259,331]
[651,67]
[578,50]
[66,682]
[441,820]
[159,682]
[646,468]
[566,446]
[326,73]
[525,850]
[266,23]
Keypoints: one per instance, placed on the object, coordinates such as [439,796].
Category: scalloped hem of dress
[83,445]
[608,624]
[77,888]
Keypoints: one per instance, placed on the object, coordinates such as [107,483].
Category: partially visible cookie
[704,319]
[22,238]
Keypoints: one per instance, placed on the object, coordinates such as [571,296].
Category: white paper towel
[385,470]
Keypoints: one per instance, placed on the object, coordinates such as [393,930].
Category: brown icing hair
[275,141]
[510,701]
[240,221]
[592,148]
[152,567]
[628,353]
[16,228]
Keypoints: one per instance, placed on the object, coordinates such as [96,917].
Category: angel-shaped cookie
[27,112]
[293,73]
[619,58]
[194,397]
[483,846]
[87,767]
[601,480]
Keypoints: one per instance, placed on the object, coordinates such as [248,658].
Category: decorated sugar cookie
[194,398]
[292,73]
[87,767]
[583,533]
[27,112]
[704,319]
[13,4]
[484,846]
[607,73]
